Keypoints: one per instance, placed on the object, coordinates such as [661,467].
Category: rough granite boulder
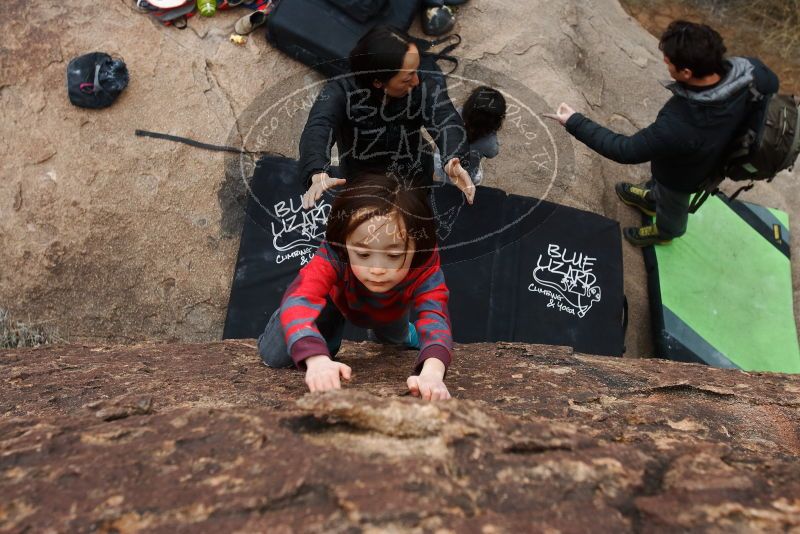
[203,438]
[112,237]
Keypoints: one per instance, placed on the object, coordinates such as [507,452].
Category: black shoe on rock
[645,236]
[636,196]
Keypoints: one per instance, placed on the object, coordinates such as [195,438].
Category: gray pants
[672,210]
[330,323]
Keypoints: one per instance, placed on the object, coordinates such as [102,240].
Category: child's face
[378,254]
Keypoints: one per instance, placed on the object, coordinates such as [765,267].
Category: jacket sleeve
[660,139]
[302,303]
[442,121]
[319,134]
[433,319]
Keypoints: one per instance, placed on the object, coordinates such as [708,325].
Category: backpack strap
[454,39]
[709,187]
[742,189]
[700,198]
[425,45]
[755,94]
[199,144]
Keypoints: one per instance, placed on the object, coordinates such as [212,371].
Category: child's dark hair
[379,194]
[379,55]
[483,113]
[692,46]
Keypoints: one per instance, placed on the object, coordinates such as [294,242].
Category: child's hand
[428,387]
[322,373]
[430,383]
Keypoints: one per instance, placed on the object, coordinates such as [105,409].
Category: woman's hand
[460,178]
[320,183]
[430,383]
[561,115]
[322,373]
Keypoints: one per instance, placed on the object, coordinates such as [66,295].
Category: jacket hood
[740,75]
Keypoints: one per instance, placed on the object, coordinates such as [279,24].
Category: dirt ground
[740,34]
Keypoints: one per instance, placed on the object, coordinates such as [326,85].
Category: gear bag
[95,80]
[772,145]
[768,143]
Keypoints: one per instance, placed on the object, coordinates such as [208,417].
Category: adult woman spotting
[375,115]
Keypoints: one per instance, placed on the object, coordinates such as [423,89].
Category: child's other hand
[322,373]
[429,387]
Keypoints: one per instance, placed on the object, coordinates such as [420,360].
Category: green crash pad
[722,293]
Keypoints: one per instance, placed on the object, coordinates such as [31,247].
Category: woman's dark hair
[483,113]
[379,55]
[376,195]
[696,47]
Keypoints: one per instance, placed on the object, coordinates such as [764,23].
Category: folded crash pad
[722,293]
[518,268]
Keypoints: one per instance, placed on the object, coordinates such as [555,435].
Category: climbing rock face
[115,238]
[204,438]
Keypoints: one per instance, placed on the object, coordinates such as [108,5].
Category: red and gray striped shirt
[423,290]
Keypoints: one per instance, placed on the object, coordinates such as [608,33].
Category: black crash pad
[518,268]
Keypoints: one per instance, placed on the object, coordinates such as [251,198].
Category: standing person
[377,265]
[375,115]
[483,114]
[688,141]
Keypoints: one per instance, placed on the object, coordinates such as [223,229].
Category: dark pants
[330,323]
[672,210]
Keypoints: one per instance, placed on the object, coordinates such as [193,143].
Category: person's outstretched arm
[658,140]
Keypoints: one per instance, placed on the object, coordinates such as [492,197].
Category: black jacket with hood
[693,130]
[372,132]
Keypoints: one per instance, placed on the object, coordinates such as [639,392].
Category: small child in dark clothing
[483,114]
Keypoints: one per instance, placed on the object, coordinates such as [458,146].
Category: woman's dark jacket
[376,133]
[692,132]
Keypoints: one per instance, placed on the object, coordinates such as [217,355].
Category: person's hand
[322,373]
[561,115]
[430,383]
[460,178]
[320,183]
[430,388]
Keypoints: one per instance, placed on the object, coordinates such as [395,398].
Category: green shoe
[636,196]
[644,236]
